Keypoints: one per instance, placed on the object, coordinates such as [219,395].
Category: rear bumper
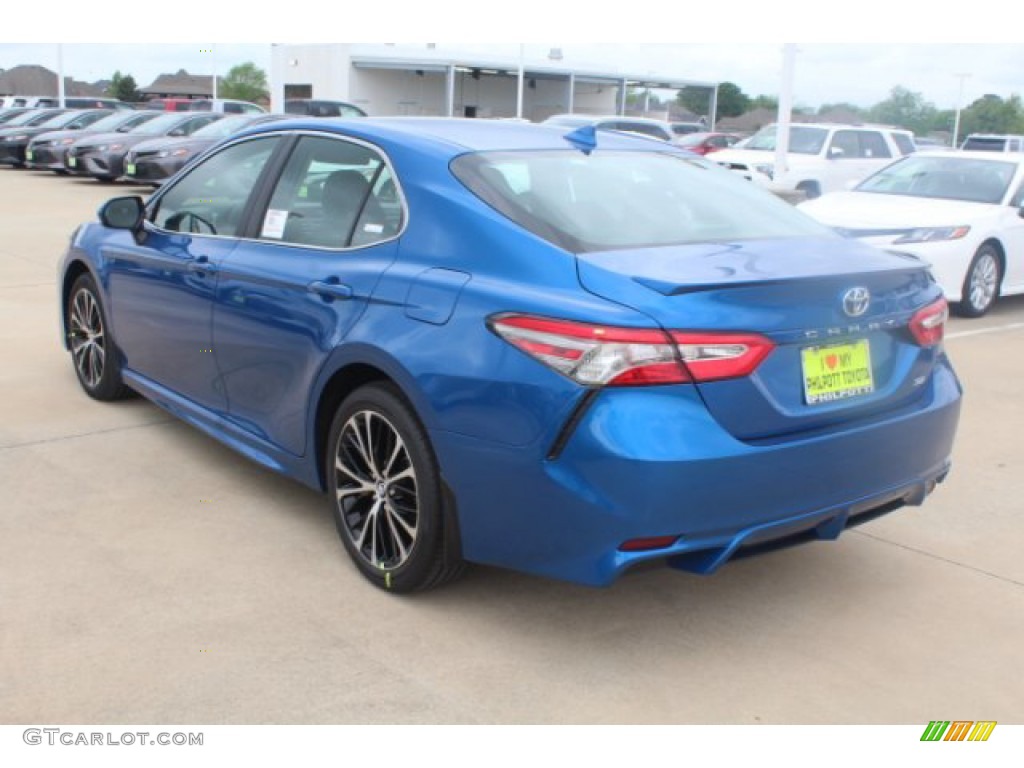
[653,462]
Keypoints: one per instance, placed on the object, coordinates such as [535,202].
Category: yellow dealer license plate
[72,162]
[836,372]
[130,169]
[28,154]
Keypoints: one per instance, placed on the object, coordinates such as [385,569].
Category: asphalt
[150,575]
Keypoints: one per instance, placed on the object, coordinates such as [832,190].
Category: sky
[857,58]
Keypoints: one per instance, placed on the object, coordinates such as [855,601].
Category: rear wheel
[386,493]
[92,351]
[981,285]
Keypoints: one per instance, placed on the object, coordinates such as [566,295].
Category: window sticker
[373,229]
[273,224]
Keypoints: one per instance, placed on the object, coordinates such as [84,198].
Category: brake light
[601,355]
[928,325]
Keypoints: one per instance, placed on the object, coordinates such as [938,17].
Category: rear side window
[333,194]
[904,143]
[616,199]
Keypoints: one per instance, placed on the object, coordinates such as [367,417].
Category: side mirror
[124,213]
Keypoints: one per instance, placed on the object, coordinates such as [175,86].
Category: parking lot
[151,575]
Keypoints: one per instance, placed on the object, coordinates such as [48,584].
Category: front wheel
[92,351]
[386,493]
[981,285]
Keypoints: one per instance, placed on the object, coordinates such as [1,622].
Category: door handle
[201,264]
[330,290]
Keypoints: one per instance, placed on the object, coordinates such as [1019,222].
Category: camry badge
[856,301]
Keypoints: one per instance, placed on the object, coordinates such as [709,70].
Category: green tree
[246,82]
[992,114]
[840,106]
[904,108]
[123,87]
[764,101]
[732,102]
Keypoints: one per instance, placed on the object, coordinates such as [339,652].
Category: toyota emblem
[856,301]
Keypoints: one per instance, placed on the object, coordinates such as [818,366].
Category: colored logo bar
[958,730]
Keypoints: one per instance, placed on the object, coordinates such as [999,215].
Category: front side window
[803,140]
[626,199]
[333,194]
[211,198]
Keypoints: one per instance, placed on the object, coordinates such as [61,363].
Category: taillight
[928,325]
[601,355]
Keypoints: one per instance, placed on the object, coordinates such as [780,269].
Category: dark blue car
[505,344]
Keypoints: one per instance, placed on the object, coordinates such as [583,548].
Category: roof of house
[34,80]
[180,83]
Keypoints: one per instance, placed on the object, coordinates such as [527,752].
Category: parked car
[227,106]
[102,156]
[706,143]
[15,134]
[958,211]
[154,161]
[9,113]
[84,102]
[822,157]
[14,147]
[683,129]
[992,142]
[484,344]
[655,129]
[322,108]
[169,105]
[46,151]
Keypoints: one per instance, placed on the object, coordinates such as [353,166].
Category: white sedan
[959,211]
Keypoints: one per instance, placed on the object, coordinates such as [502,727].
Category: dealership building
[435,81]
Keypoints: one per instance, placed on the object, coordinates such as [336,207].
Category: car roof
[453,136]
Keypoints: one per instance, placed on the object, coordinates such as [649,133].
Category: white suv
[822,157]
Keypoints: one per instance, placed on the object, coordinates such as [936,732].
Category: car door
[289,295]
[161,290]
[853,155]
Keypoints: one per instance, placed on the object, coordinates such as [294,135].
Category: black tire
[811,189]
[981,283]
[94,356]
[388,502]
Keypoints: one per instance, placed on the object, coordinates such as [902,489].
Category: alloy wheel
[88,341]
[377,493]
[983,281]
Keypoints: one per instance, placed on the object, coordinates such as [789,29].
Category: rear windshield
[627,199]
[991,144]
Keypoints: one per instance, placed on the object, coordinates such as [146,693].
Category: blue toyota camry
[501,343]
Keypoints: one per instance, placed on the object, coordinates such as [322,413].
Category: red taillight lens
[714,356]
[601,355]
[928,325]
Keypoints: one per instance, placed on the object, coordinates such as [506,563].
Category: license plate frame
[834,372]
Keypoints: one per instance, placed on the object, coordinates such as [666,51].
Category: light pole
[962,76]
